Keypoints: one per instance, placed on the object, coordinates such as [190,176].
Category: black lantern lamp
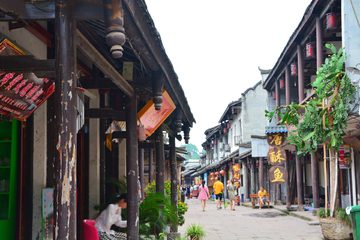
[293,69]
[330,21]
[310,50]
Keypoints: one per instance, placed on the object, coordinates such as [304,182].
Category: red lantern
[222,172]
[217,173]
[215,142]
[282,83]
[274,95]
[212,179]
[330,21]
[293,69]
[225,130]
[212,174]
[228,125]
[211,145]
[309,50]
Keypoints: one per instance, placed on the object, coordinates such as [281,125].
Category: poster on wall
[344,157]
[47,210]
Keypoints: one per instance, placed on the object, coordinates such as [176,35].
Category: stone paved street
[246,223]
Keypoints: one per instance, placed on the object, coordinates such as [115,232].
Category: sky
[216,48]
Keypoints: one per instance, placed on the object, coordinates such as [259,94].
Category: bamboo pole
[325,172]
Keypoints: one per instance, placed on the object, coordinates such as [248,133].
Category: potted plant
[195,232]
[335,228]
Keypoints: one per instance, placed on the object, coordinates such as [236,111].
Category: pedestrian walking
[203,194]
[219,188]
[232,196]
[112,216]
[188,191]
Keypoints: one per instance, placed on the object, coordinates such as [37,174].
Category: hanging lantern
[215,142]
[212,174]
[212,179]
[282,83]
[228,125]
[212,145]
[225,130]
[310,50]
[274,95]
[217,173]
[293,69]
[222,172]
[330,21]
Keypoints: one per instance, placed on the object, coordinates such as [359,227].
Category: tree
[324,118]
[193,150]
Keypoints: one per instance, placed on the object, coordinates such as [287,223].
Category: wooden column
[132,168]
[65,122]
[287,180]
[246,176]
[261,172]
[278,193]
[151,165]
[287,85]
[300,73]
[277,93]
[319,43]
[174,178]
[141,171]
[299,180]
[160,166]
[315,181]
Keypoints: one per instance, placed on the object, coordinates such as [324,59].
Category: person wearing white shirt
[112,216]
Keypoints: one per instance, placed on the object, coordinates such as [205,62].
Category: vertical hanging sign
[277,157]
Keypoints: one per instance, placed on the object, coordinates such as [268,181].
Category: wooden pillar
[65,125]
[252,176]
[151,165]
[278,193]
[141,171]
[287,180]
[160,166]
[277,93]
[246,176]
[261,172]
[319,43]
[132,168]
[300,73]
[315,181]
[287,85]
[299,180]
[174,179]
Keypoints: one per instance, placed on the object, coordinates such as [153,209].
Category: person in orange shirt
[262,196]
[219,188]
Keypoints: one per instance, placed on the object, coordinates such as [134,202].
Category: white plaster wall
[25,40]
[94,156]
[39,166]
[253,113]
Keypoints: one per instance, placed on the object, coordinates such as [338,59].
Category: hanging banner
[344,155]
[276,139]
[21,93]
[276,156]
[152,118]
[236,176]
[277,174]
[236,168]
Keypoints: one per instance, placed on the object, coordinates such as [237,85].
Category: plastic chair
[90,231]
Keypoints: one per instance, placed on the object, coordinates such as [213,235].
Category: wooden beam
[84,10]
[100,62]
[119,134]
[105,113]
[28,64]
[106,83]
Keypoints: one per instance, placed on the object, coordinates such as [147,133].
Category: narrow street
[246,223]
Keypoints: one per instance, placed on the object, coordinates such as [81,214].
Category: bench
[255,199]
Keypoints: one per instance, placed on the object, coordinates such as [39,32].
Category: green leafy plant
[342,216]
[195,232]
[321,213]
[333,85]
[156,210]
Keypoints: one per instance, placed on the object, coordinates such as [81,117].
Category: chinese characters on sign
[344,155]
[277,157]
[236,168]
[236,176]
[277,174]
